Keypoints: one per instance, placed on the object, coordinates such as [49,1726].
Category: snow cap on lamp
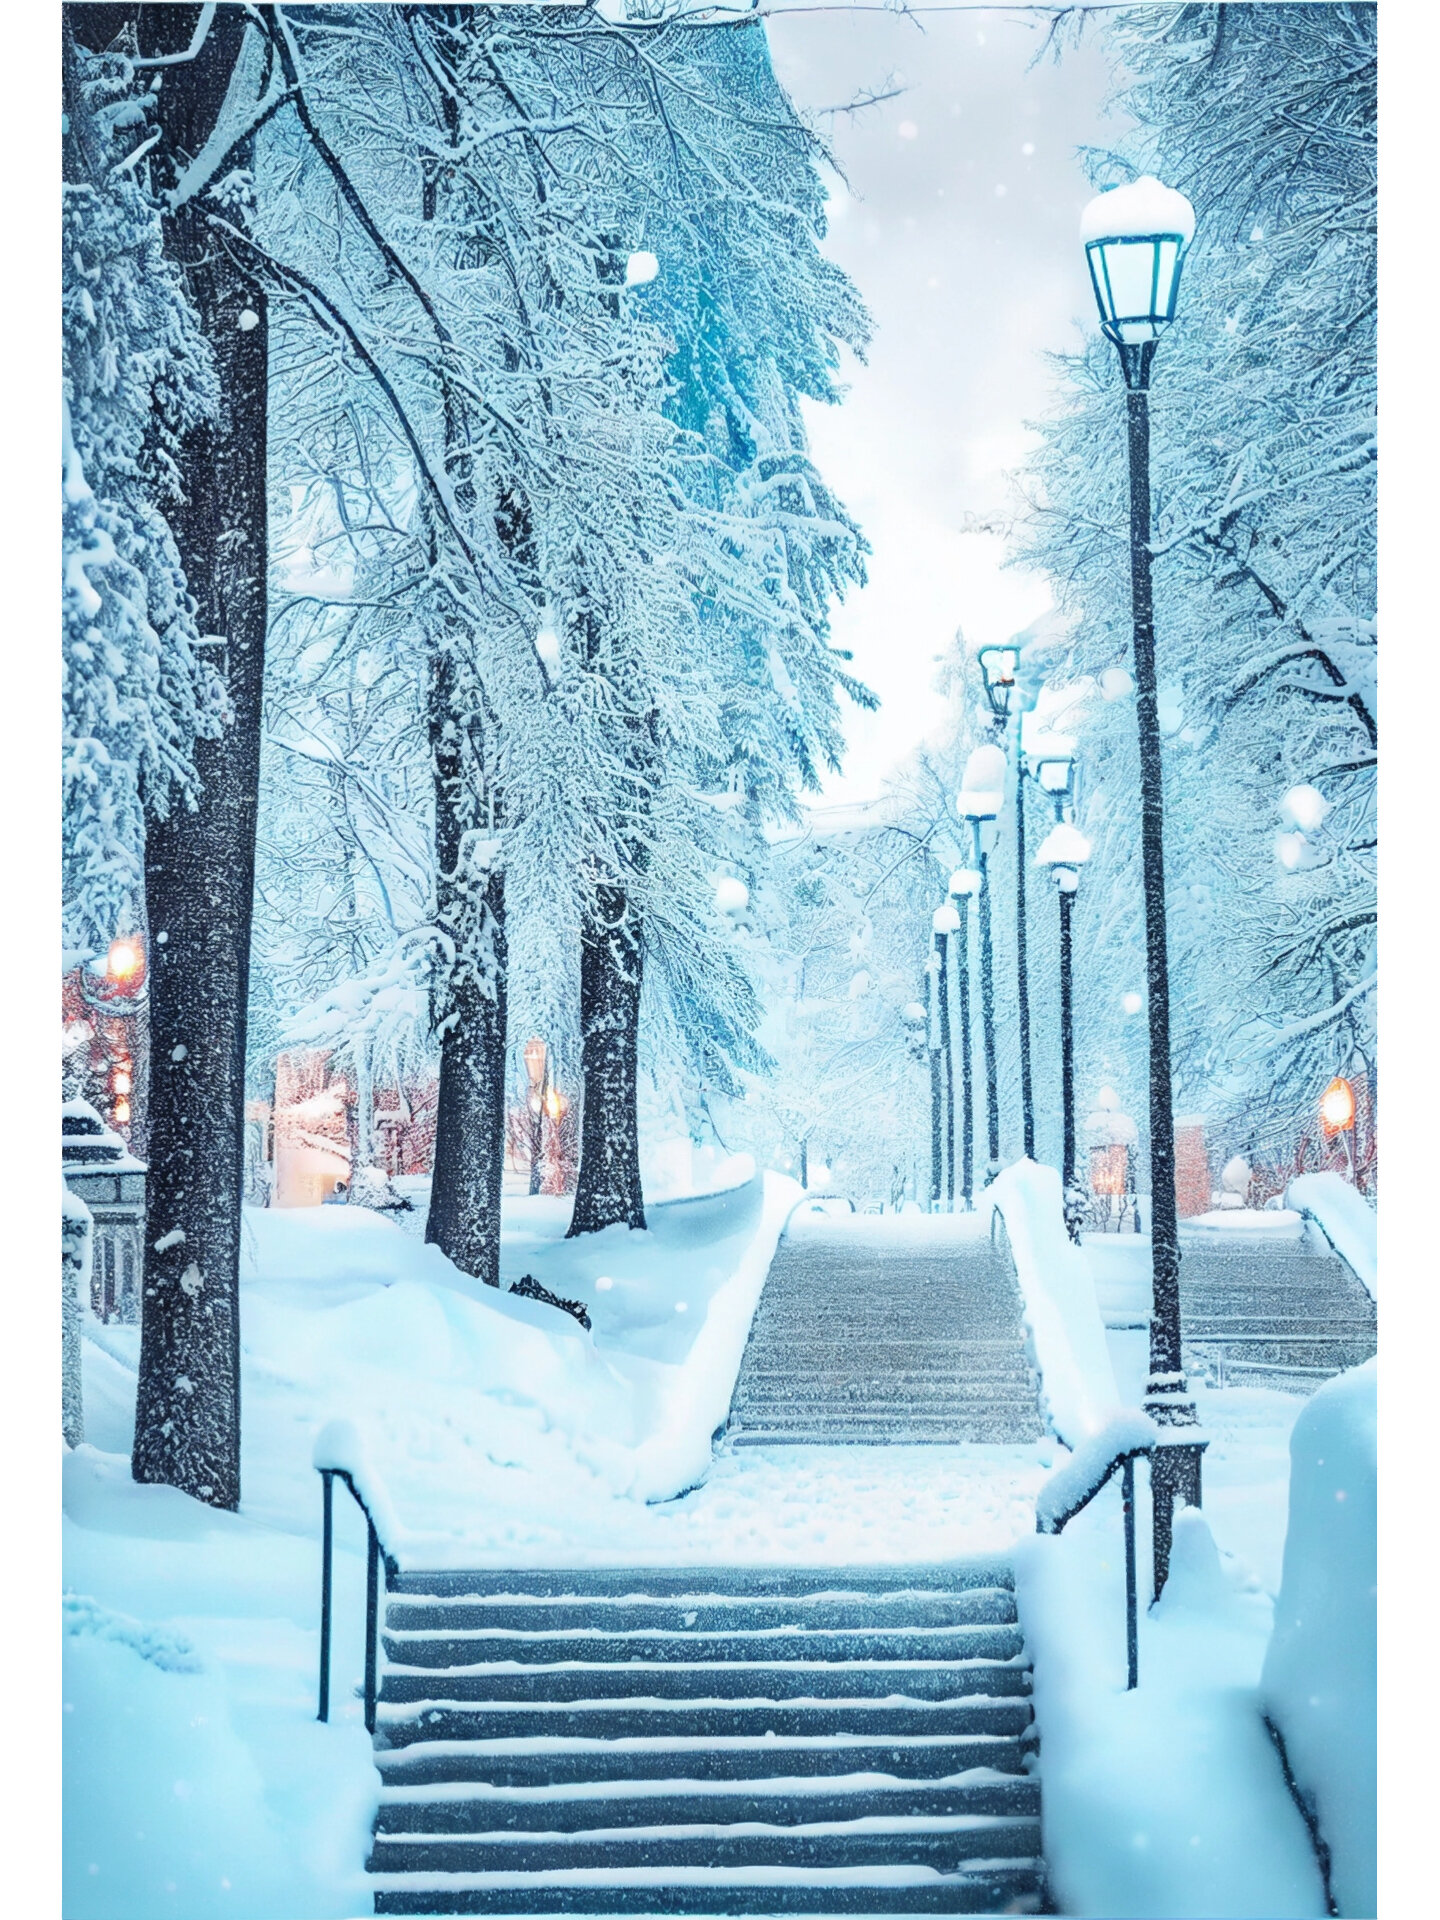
[982,788]
[1135,238]
[945,919]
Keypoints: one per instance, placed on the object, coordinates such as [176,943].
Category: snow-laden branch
[197,41]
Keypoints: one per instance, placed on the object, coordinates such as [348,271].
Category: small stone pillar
[76,1243]
[1192,1167]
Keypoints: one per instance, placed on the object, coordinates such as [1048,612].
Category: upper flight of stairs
[1281,1311]
[706,1741]
[855,1342]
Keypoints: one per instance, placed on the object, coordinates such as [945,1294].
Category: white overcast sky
[960,230]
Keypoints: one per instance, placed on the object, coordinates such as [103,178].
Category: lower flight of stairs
[706,1741]
[855,1344]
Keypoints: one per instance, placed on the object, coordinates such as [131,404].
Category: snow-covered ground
[198,1781]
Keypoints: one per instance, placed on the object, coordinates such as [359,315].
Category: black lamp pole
[942,947]
[1175,1469]
[987,1007]
[1067,1043]
[936,1149]
[967,1113]
[1027,1094]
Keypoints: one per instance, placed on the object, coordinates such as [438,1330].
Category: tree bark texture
[464,1218]
[200,862]
[608,1190]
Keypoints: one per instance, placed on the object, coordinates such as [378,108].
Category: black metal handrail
[375,1557]
[1174,1471]
[1125,1461]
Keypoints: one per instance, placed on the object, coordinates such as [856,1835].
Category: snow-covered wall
[1319,1677]
[1062,1316]
[1344,1217]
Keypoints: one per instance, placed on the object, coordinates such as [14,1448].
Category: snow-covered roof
[1143,207]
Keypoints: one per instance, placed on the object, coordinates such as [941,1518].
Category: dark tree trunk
[200,863]
[608,1189]
[464,1219]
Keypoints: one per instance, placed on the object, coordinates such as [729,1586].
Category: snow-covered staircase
[854,1341]
[1280,1311]
[706,1741]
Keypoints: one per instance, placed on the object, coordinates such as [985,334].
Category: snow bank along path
[1345,1219]
[1062,1316]
[1319,1678]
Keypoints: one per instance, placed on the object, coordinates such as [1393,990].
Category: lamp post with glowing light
[964,882]
[1000,667]
[1135,239]
[981,796]
[1337,1115]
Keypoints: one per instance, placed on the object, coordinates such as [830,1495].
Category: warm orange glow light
[122,1112]
[125,962]
[120,1081]
[555,1103]
[1337,1107]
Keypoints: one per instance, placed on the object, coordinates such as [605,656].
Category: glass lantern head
[999,665]
[1135,240]
[1055,775]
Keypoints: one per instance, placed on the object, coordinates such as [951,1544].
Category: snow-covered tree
[1264,479]
[138,377]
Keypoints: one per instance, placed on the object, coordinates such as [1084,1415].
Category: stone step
[741,1586]
[894,1433]
[1005,1887]
[654,1803]
[541,1623]
[596,1763]
[441,1717]
[937,1841]
[993,1675]
[950,1640]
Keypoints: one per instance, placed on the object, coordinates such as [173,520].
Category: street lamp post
[937,1150]
[963,883]
[999,667]
[1337,1115]
[981,796]
[1064,850]
[945,922]
[1135,239]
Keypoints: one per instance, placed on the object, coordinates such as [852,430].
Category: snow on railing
[340,1455]
[1343,1216]
[1075,1483]
[1062,1316]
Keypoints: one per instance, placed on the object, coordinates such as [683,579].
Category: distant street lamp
[1064,850]
[945,922]
[1000,669]
[1135,239]
[1337,1115]
[981,796]
[964,882]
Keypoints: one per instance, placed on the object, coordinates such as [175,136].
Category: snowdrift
[1319,1677]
